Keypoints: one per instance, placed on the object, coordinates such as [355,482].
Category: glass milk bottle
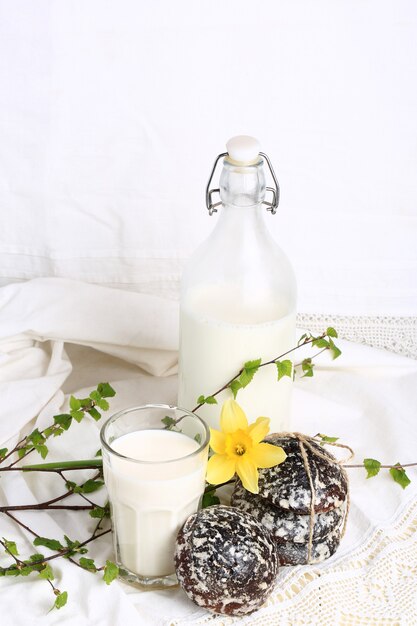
[238,296]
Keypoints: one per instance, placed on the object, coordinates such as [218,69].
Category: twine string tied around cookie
[304,442]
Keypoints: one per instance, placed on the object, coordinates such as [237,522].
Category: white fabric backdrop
[111,114]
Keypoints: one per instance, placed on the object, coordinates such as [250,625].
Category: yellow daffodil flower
[238,448]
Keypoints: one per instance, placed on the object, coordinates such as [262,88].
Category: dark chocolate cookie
[225,560]
[297,553]
[285,525]
[287,485]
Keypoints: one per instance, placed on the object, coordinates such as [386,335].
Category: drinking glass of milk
[154,460]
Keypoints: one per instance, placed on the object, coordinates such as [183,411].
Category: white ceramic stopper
[243,149]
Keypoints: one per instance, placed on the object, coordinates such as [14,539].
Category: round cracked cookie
[283,524]
[225,560]
[287,485]
[297,553]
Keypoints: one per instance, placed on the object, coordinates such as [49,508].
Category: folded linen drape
[38,316]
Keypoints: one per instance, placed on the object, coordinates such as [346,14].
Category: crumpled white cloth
[61,336]
[36,318]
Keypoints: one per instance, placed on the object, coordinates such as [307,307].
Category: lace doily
[396,334]
[372,585]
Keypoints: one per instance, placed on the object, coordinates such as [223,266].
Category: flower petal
[232,417]
[217,441]
[259,429]
[247,472]
[267,455]
[220,469]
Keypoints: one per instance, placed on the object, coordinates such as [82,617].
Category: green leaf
[50,431]
[88,564]
[42,450]
[77,415]
[46,573]
[284,368]
[63,420]
[169,422]
[60,600]
[73,547]
[35,567]
[103,404]
[36,437]
[303,338]
[26,570]
[10,547]
[249,370]
[331,332]
[74,403]
[399,475]
[105,390]
[3,452]
[13,570]
[71,486]
[99,452]
[111,572]
[94,413]
[98,512]
[307,367]
[208,400]
[91,485]
[209,499]
[320,342]
[22,451]
[52,544]
[235,386]
[372,467]
[70,543]
[335,352]
[95,396]
[326,439]
[37,558]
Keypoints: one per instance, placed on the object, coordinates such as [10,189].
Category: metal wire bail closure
[270,206]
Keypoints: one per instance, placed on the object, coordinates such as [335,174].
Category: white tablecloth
[58,337]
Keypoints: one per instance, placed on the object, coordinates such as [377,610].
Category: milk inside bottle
[238,296]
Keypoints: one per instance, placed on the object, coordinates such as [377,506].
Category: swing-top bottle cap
[243,150]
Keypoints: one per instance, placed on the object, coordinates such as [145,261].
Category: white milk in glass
[150,502]
[213,348]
